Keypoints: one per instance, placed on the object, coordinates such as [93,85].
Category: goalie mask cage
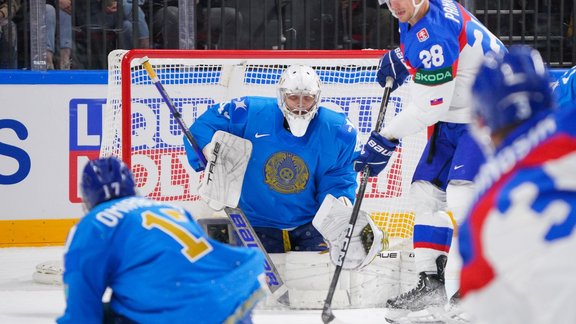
[139,128]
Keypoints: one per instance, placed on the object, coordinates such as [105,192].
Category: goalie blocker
[227,158]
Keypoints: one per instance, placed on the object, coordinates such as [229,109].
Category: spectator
[65,20]
[225,25]
[8,36]
[370,24]
[143,31]
[165,24]
[104,28]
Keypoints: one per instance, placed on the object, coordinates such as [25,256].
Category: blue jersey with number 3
[159,264]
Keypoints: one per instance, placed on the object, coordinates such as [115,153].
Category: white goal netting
[139,128]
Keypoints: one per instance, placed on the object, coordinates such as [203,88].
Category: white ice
[23,301]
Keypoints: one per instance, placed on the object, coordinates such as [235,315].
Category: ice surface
[23,301]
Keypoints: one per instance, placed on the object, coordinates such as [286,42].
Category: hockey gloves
[392,64]
[375,154]
[366,241]
[227,156]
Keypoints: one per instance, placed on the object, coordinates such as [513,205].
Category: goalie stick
[240,223]
[327,314]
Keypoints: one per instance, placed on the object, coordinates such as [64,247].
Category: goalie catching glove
[332,221]
[227,157]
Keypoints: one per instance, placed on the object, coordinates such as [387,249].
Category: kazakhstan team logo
[286,173]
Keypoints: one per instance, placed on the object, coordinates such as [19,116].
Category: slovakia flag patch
[422,35]
[436,102]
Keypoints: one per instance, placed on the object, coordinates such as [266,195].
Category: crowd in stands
[79,34]
[8,49]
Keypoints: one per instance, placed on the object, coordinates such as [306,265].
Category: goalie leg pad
[227,157]
[308,276]
[374,284]
[332,221]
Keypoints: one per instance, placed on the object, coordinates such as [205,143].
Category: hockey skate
[455,313]
[429,292]
[427,303]
[455,299]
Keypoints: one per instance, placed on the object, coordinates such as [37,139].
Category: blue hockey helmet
[106,179]
[510,88]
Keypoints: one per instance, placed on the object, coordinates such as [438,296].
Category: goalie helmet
[106,179]
[298,97]
[510,88]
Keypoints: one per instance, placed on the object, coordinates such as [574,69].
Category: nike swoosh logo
[258,135]
[458,166]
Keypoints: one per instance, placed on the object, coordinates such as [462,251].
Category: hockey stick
[327,314]
[241,225]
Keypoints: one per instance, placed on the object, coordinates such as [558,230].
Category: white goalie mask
[298,97]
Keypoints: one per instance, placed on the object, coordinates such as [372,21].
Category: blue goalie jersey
[287,177]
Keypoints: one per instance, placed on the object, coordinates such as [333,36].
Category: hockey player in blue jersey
[564,89]
[518,239]
[154,257]
[301,154]
[441,47]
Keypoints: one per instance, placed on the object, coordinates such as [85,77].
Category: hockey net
[138,126]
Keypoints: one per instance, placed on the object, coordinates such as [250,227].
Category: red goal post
[138,127]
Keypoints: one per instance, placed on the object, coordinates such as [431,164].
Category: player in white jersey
[441,47]
[518,240]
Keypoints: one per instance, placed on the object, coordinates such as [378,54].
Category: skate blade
[425,316]
[394,314]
